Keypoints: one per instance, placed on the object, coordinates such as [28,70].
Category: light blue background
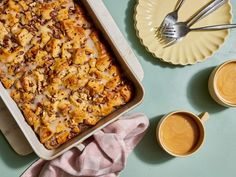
[167,88]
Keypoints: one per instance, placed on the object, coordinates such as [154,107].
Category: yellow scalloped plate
[196,46]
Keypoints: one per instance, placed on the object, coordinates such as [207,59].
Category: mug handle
[204,116]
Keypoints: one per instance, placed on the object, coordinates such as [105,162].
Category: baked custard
[226,82]
[57,68]
[179,133]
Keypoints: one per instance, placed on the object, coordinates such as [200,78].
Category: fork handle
[179,4]
[204,11]
[215,27]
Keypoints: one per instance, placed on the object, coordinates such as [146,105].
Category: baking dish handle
[80,146]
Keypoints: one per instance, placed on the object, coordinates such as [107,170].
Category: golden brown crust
[57,69]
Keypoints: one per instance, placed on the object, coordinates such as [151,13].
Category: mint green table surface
[168,88]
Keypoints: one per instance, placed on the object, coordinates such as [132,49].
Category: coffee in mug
[181,133]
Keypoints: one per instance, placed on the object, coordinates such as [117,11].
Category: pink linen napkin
[104,156]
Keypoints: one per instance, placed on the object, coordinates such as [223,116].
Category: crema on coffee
[179,133]
[226,82]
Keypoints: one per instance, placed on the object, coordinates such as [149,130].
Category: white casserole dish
[39,149]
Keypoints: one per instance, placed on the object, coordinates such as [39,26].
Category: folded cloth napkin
[104,156]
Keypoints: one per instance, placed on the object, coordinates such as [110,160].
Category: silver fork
[179,30]
[170,18]
[203,12]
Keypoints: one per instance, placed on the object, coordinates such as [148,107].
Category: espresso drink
[179,133]
[226,82]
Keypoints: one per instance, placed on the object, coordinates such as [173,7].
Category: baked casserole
[57,68]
